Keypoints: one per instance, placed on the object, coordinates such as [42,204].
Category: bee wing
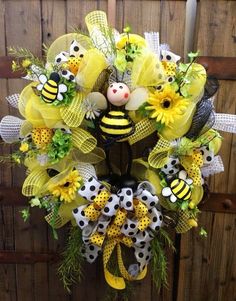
[99,99]
[61,58]
[43,78]
[189,181]
[166,191]
[76,49]
[137,98]
[62,88]
[173,198]
[182,175]
[59,96]
[40,87]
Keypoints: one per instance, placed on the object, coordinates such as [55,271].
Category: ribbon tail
[114,281]
[123,269]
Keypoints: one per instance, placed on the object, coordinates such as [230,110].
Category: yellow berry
[24,147]
[192,222]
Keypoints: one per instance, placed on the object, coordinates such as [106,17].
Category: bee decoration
[115,124]
[179,188]
[50,88]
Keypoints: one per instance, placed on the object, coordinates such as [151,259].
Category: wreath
[91,93]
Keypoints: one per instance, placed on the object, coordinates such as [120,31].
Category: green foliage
[159,261]
[68,95]
[60,146]
[70,270]
[160,126]
[184,205]
[142,110]
[203,232]
[23,53]
[25,213]
[53,220]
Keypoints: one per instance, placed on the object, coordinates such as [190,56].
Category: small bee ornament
[179,188]
[115,123]
[50,88]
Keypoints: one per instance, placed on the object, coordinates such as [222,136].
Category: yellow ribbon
[115,237]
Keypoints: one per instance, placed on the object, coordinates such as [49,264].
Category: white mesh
[13,100]
[86,170]
[216,166]
[225,122]
[10,128]
[152,39]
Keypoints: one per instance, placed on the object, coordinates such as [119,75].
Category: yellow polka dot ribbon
[125,214]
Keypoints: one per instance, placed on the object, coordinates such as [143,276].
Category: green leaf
[160,126]
[25,213]
[184,205]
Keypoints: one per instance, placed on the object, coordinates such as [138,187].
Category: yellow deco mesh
[143,129]
[96,19]
[182,225]
[159,155]
[26,128]
[95,156]
[91,66]
[147,71]
[73,114]
[33,183]
[83,140]
[24,96]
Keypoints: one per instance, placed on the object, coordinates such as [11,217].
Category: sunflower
[66,189]
[166,106]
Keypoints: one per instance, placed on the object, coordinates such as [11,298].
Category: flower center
[66,184]
[166,103]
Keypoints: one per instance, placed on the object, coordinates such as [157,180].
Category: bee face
[118,94]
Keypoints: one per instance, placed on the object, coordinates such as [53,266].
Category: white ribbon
[13,100]
[152,39]
[225,122]
[215,167]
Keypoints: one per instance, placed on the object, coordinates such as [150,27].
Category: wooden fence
[202,269]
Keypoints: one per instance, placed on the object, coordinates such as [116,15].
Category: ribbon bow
[110,220]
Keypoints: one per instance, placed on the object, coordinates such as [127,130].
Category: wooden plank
[219,202]
[8,290]
[53,25]
[23,28]
[10,257]
[207,266]
[6,70]
[219,67]
[172,25]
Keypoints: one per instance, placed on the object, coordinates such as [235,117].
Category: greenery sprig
[70,270]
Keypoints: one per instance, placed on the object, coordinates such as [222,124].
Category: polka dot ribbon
[110,220]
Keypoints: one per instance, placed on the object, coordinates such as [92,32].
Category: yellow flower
[24,147]
[66,189]
[166,106]
[14,66]
[26,63]
[132,39]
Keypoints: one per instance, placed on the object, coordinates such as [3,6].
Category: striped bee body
[116,125]
[180,189]
[50,88]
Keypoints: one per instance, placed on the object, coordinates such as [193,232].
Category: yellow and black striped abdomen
[115,124]
[49,91]
[180,189]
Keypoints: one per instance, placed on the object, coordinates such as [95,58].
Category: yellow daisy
[166,106]
[66,189]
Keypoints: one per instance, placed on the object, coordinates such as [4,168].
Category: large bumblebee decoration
[50,88]
[115,124]
[179,188]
